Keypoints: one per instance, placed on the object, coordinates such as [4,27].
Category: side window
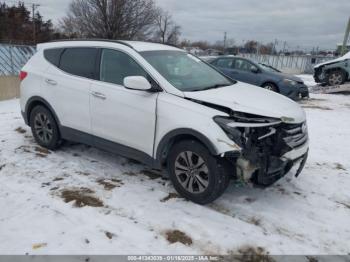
[79,61]
[53,55]
[244,65]
[224,63]
[116,65]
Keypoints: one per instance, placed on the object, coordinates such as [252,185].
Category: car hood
[246,98]
[342,58]
[285,76]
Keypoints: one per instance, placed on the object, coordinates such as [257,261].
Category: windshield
[269,68]
[185,71]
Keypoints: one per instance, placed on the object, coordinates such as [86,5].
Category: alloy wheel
[335,78]
[192,172]
[43,128]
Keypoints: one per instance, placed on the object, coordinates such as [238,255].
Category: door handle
[51,82]
[99,95]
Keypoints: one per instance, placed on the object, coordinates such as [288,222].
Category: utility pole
[346,37]
[225,39]
[34,6]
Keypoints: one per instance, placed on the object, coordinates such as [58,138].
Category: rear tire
[44,128]
[271,87]
[195,173]
[336,77]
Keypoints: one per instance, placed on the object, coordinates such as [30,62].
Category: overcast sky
[304,23]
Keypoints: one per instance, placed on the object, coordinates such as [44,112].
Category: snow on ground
[126,208]
[308,80]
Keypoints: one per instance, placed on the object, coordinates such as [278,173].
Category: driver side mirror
[254,70]
[137,83]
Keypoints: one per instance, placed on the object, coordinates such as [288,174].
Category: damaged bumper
[269,152]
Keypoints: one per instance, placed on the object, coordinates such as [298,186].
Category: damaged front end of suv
[270,147]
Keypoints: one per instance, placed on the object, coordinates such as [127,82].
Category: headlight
[237,125]
[290,82]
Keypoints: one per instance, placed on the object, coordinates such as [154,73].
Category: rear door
[67,85]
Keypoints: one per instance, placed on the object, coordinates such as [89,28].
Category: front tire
[336,77]
[195,173]
[271,87]
[44,128]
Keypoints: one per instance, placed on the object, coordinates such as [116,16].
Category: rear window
[79,61]
[53,55]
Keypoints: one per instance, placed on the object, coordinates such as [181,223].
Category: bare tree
[167,32]
[111,19]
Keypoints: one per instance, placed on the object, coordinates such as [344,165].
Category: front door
[120,115]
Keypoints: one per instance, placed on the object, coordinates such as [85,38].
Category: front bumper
[267,160]
[295,92]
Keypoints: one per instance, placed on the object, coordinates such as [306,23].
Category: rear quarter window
[53,55]
[79,62]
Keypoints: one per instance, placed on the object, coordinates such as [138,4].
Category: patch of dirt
[251,254]
[42,150]
[2,166]
[255,221]
[170,196]
[340,166]
[20,130]
[151,174]
[54,188]
[317,107]
[82,173]
[58,179]
[174,236]
[81,197]
[40,245]
[41,155]
[108,185]
[109,235]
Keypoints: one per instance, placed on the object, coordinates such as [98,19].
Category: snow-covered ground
[125,208]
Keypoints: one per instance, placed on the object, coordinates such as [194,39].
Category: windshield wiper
[209,87]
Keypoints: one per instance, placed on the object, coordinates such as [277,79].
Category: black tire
[44,128]
[217,177]
[336,77]
[271,87]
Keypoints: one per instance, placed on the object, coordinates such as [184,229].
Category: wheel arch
[271,82]
[36,101]
[178,135]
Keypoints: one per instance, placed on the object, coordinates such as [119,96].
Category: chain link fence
[13,58]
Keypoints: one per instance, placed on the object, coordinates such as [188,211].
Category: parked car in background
[165,108]
[262,75]
[333,72]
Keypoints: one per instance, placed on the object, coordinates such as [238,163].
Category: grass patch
[174,236]
[20,130]
[81,197]
[169,196]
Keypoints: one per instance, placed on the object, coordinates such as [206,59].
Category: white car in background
[165,108]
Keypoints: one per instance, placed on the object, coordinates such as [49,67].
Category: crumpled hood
[346,56]
[251,99]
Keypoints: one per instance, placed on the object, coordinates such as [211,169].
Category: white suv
[165,108]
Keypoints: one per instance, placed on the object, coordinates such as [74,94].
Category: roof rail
[93,39]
